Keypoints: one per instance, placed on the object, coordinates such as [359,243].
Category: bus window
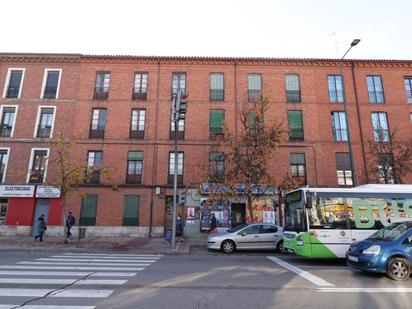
[328,213]
[294,212]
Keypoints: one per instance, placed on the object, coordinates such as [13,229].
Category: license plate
[353,258]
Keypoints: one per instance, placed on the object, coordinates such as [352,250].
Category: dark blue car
[389,251]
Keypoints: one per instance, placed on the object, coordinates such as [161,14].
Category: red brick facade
[75,102]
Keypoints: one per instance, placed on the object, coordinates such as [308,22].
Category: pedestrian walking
[180,225]
[70,221]
[213,224]
[41,228]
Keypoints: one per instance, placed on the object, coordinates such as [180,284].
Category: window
[410,116]
[3,211]
[94,163]
[295,123]
[134,167]
[380,127]
[140,86]
[340,132]
[217,87]
[38,165]
[180,157]
[292,88]
[88,211]
[375,90]
[217,166]
[178,82]
[254,90]
[343,169]
[45,122]
[101,92]
[8,118]
[137,124]
[98,123]
[254,229]
[216,119]
[131,210]
[298,167]
[13,85]
[4,158]
[408,88]
[180,128]
[268,229]
[385,168]
[51,84]
[335,88]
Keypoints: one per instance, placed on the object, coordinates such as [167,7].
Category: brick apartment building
[119,107]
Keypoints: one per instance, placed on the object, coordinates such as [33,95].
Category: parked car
[252,236]
[388,250]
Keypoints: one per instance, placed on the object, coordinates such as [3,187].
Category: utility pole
[179,106]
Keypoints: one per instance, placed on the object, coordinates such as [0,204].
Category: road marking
[95,260]
[60,293]
[61,281]
[84,263]
[64,274]
[152,256]
[70,267]
[46,307]
[304,274]
[366,290]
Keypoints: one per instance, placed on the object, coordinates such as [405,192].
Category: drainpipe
[235,80]
[359,118]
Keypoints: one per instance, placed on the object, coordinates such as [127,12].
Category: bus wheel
[228,246]
[280,248]
[398,269]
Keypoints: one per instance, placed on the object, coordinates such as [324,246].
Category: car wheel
[228,246]
[398,269]
[280,248]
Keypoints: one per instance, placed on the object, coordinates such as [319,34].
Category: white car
[252,236]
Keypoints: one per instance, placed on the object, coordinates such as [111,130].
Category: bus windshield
[294,212]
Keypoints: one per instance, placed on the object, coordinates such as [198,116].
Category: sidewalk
[143,245]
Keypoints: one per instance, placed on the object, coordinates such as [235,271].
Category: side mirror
[243,234]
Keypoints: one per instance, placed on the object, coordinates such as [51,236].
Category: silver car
[252,236]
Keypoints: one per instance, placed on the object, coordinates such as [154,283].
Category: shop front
[22,205]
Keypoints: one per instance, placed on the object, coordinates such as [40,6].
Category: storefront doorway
[42,208]
[238,214]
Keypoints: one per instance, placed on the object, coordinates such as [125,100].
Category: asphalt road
[86,281]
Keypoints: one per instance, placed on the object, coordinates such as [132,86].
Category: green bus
[323,222]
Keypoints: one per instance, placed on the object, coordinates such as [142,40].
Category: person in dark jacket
[179,226]
[213,223]
[70,221]
[41,228]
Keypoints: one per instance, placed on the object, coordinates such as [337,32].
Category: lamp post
[352,166]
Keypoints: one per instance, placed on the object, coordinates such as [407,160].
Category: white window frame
[38,119]
[15,117]
[7,83]
[31,163]
[6,163]
[43,86]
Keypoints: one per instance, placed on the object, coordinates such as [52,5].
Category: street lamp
[352,166]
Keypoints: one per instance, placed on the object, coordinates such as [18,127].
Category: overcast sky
[232,28]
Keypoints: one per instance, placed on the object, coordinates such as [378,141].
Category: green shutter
[297,158]
[216,121]
[252,118]
[295,123]
[131,210]
[135,155]
[88,211]
[216,156]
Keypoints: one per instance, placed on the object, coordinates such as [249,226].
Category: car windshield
[237,228]
[391,232]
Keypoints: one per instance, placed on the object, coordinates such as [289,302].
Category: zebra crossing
[81,277]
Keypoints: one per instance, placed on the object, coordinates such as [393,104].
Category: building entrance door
[238,214]
[42,208]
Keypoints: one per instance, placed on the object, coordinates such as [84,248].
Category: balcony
[254,95]
[376,97]
[180,135]
[134,179]
[93,176]
[13,92]
[96,134]
[43,132]
[5,131]
[293,96]
[171,177]
[36,177]
[139,96]
[50,93]
[296,135]
[101,93]
[136,134]
[217,95]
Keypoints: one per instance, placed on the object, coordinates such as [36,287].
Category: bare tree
[247,157]
[389,159]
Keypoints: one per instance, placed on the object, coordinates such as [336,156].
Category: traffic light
[181,105]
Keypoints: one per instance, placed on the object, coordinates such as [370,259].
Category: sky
[225,28]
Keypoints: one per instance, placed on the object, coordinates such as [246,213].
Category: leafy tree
[247,157]
[389,159]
